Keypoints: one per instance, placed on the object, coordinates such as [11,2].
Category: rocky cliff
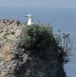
[16,62]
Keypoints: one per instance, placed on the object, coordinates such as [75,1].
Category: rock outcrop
[16,62]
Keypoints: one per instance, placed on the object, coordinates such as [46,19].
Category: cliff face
[16,62]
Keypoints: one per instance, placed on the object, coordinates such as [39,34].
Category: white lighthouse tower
[30,22]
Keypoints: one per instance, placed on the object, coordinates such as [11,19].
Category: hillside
[15,61]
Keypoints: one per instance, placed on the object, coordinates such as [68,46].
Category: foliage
[5,35]
[57,39]
[36,37]
[39,38]
[12,32]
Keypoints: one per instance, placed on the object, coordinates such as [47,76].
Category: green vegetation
[12,32]
[36,37]
[57,39]
[5,35]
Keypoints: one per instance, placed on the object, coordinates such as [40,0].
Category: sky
[39,3]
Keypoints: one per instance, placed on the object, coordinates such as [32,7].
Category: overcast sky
[38,3]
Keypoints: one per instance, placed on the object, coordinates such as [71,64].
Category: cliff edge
[15,61]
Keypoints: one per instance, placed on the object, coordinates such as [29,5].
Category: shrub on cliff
[36,37]
[57,39]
